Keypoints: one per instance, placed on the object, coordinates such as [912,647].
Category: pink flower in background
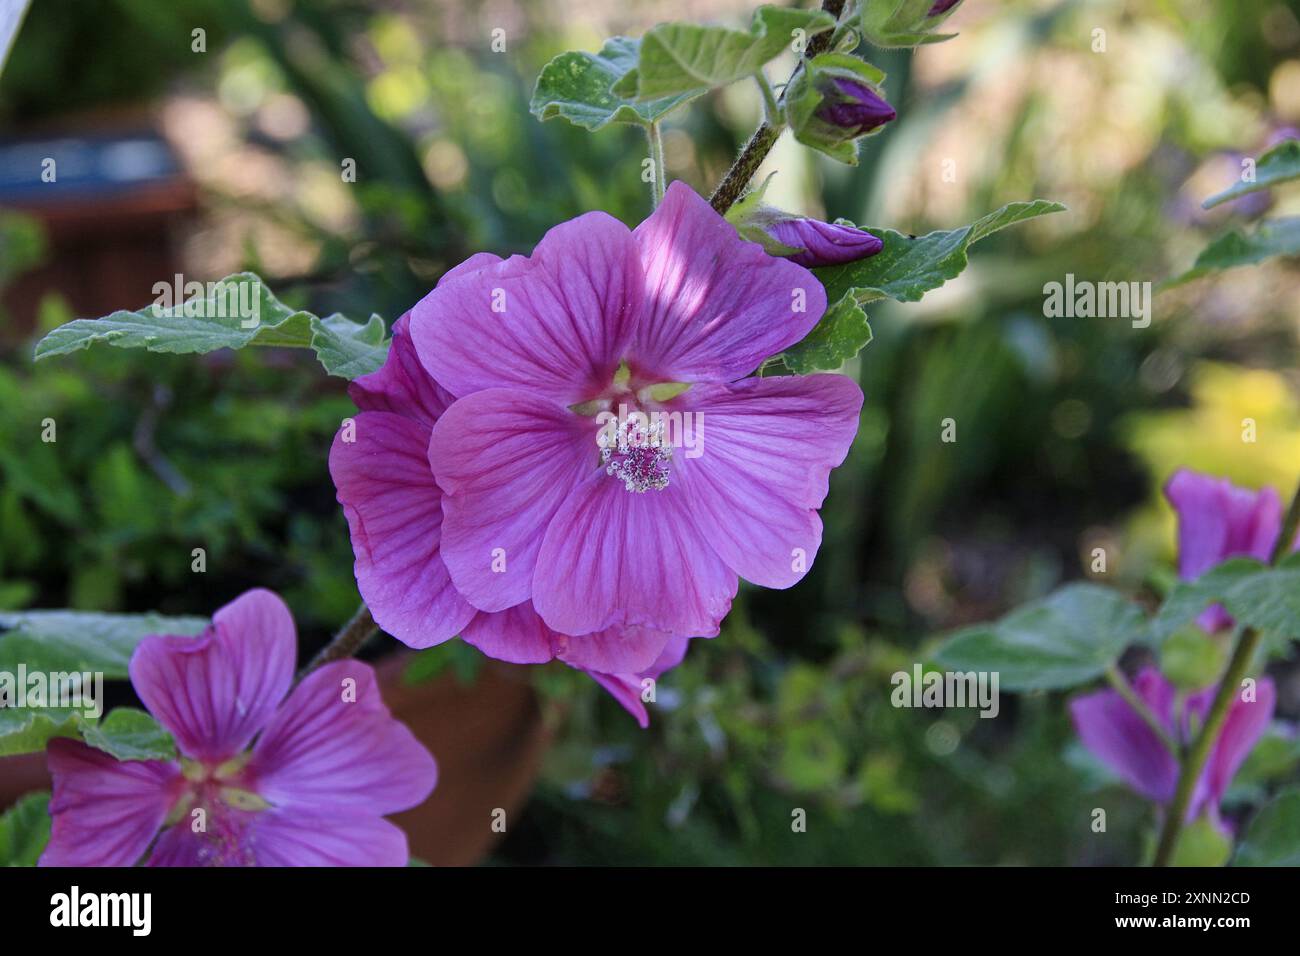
[1216,521]
[479,499]
[282,777]
[1122,740]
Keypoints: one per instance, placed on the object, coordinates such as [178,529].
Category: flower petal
[1121,739]
[394,511]
[615,558]
[104,811]
[214,692]
[401,385]
[1217,520]
[334,746]
[520,636]
[627,688]
[766,450]
[556,324]
[505,461]
[1242,729]
[716,305]
[284,838]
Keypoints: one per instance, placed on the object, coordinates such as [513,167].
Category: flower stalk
[1242,655]
[760,144]
[347,642]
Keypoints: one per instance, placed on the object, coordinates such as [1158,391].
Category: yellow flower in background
[1243,424]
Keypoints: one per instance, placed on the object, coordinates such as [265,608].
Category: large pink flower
[479,499]
[326,760]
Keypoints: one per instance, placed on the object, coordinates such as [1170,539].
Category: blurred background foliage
[1066,427]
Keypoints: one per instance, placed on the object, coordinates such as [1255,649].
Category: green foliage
[684,58]
[904,270]
[1267,240]
[576,86]
[81,641]
[1256,595]
[1202,843]
[839,335]
[1278,165]
[130,734]
[901,23]
[1273,837]
[24,830]
[909,266]
[233,312]
[1061,641]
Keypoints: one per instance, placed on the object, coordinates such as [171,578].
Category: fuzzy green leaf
[577,87]
[1278,165]
[678,58]
[1066,639]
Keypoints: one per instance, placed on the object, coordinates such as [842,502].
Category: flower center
[635,452]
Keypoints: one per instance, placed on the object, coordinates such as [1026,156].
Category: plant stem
[659,184]
[771,109]
[1125,689]
[760,144]
[1242,655]
[350,639]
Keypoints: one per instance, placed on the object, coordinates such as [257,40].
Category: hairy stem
[347,642]
[1242,655]
[760,144]
[659,183]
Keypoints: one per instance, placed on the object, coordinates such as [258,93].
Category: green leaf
[56,641]
[346,348]
[1273,837]
[1269,238]
[24,830]
[233,312]
[1068,638]
[842,333]
[908,267]
[1256,595]
[1202,843]
[681,58]
[576,86]
[1278,165]
[24,730]
[130,734]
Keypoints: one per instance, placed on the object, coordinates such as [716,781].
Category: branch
[349,640]
[760,144]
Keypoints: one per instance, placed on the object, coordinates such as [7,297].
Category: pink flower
[267,775]
[1122,740]
[480,500]
[1216,521]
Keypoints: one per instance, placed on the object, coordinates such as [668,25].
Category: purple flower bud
[823,243]
[852,105]
[942,6]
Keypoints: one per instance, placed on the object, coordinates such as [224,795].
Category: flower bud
[823,243]
[905,23]
[852,105]
[809,242]
[835,100]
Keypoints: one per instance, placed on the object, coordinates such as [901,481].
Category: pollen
[636,454]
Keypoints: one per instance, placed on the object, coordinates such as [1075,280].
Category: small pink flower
[1216,521]
[1122,740]
[267,776]
[480,500]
